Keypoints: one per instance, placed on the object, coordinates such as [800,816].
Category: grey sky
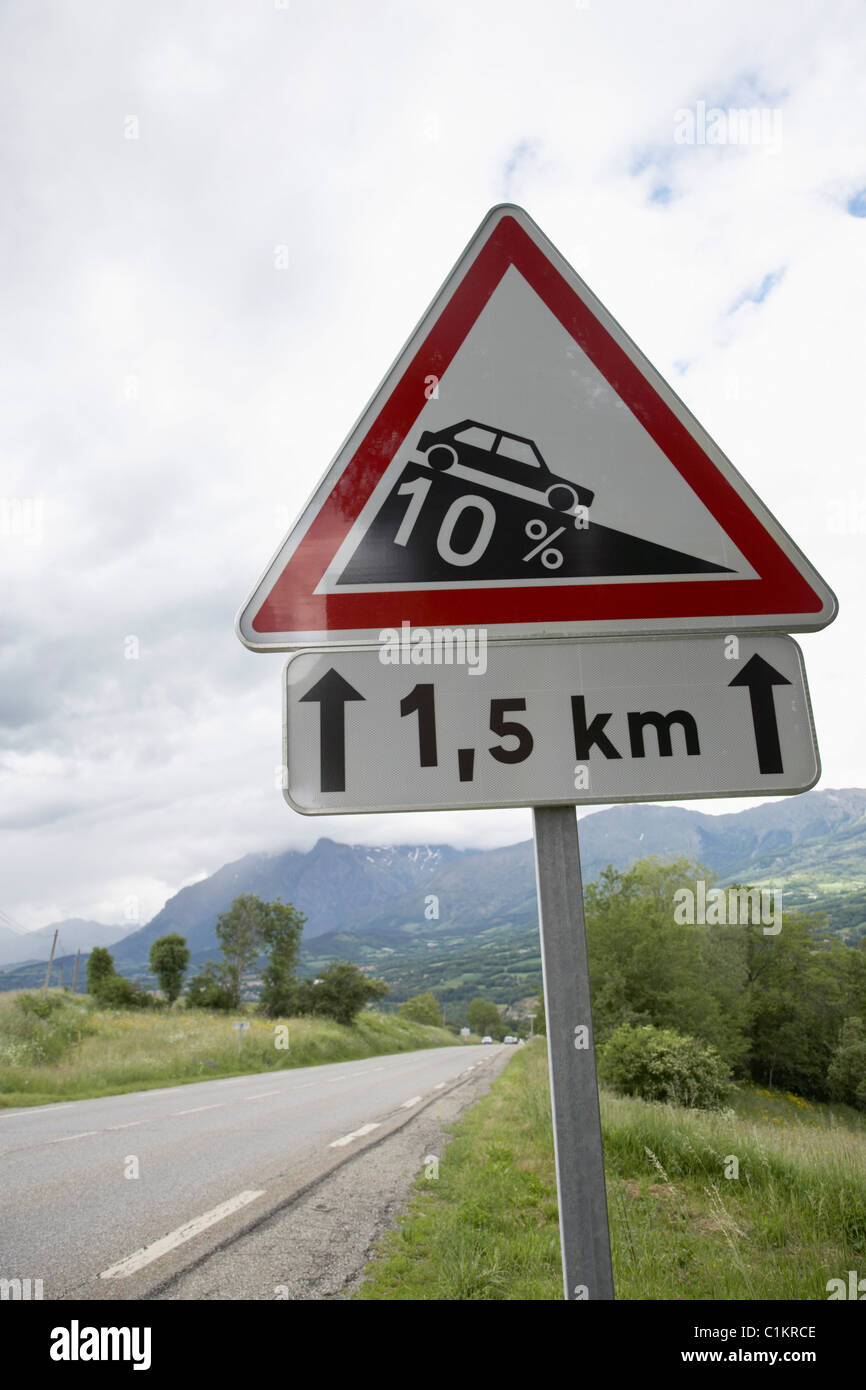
[221,222]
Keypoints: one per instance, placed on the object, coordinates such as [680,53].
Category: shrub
[207,991]
[659,1064]
[39,1031]
[42,1008]
[116,992]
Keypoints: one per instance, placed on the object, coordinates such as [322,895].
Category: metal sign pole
[583,1224]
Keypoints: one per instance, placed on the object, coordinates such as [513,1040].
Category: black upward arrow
[331,694]
[760,677]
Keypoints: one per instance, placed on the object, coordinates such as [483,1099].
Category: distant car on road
[486,1040]
[509,1039]
[514,464]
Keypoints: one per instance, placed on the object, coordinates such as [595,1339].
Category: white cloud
[172,396]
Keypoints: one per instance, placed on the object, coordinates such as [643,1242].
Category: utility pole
[75,970]
[50,962]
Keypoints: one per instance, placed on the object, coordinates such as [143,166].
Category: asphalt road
[109,1198]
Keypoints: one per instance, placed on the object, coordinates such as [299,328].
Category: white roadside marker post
[240,1027]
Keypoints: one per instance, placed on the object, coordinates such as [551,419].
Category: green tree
[169,958]
[799,995]
[483,1017]
[100,966]
[280,931]
[340,992]
[771,1002]
[239,932]
[648,968]
[421,1008]
[846,1076]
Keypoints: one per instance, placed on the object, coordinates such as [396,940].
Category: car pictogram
[504,460]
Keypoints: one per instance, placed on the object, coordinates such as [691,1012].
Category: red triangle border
[292,606]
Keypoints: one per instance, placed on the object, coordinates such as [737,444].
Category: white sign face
[524,468]
[401,728]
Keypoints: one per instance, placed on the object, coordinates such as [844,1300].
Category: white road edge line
[196,1108]
[149,1253]
[440,1086]
[257,1095]
[66,1137]
[356,1134]
[407,1104]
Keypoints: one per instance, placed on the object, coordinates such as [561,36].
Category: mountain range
[398,908]
[74,934]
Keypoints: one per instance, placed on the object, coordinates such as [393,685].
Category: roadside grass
[42,1060]
[782,1107]
[487,1228]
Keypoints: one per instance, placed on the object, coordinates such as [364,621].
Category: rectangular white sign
[451,722]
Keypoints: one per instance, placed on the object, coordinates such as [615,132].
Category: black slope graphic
[429,531]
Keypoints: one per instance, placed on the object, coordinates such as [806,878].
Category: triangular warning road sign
[523,468]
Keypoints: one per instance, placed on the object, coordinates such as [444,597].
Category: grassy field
[486,1226]
[77,1052]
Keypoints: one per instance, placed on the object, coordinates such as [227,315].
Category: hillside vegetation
[484,1224]
[79,1051]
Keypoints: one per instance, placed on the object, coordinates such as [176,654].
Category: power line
[34,937]
[10,922]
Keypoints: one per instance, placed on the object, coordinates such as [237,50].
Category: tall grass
[748,1209]
[769,1203]
[42,1059]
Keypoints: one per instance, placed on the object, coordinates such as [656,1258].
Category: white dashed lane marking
[356,1134]
[149,1253]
